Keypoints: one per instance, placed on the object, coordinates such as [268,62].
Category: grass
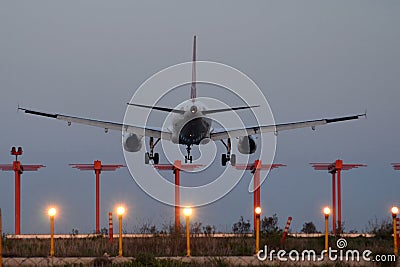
[175,245]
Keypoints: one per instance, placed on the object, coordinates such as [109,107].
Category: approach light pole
[120,212]
[336,168]
[18,168]
[395,211]
[255,169]
[187,212]
[98,167]
[257,211]
[326,211]
[176,168]
[52,213]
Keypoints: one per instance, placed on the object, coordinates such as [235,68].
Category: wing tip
[364,114]
[20,108]
[39,113]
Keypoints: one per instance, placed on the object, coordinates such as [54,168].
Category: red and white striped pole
[285,232]
[110,228]
[398,230]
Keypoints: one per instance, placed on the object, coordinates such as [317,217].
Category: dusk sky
[311,60]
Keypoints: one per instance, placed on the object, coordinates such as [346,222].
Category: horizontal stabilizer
[205,112]
[178,111]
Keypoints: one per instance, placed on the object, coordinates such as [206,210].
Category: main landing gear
[228,157]
[155,157]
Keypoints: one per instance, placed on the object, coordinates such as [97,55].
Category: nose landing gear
[188,157]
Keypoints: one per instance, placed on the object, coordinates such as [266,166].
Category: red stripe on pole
[110,227]
[289,220]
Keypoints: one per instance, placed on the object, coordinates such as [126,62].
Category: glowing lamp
[395,210]
[187,211]
[120,210]
[327,211]
[258,210]
[52,212]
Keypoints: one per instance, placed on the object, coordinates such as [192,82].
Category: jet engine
[132,142]
[247,145]
[205,141]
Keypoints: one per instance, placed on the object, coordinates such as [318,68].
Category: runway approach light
[327,211]
[52,212]
[187,211]
[258,210]
[120,210]
[395,210]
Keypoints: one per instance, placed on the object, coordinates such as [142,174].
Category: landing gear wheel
[224,159]
[146,158]
[188,158]
[228,157]
[233,160]
[156,158]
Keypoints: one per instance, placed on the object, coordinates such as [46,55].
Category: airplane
[190,127]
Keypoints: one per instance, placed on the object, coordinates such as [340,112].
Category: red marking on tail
[193,87]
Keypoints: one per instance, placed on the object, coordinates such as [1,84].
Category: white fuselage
[191,127]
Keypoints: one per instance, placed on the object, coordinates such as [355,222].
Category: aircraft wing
[218,135]
[144,131]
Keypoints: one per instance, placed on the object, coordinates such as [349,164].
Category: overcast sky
[311,59]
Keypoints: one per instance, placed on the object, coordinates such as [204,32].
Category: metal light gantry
[255,168]
[18,168]
[396,166]
[176,168]
[333,168]
[97,166]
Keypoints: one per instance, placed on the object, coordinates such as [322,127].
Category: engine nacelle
[205,141]
[247,145]
[132,143]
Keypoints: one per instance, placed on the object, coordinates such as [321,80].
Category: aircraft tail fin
[193,86]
